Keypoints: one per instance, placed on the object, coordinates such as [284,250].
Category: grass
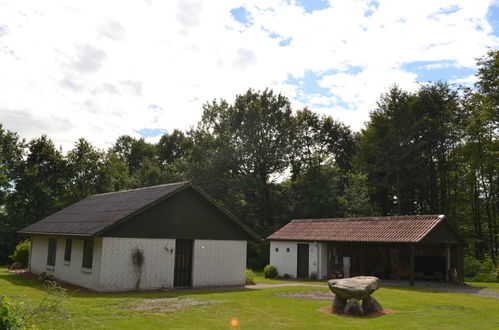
[262,308]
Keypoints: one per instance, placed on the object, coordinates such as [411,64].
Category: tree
[40,183]
[436,133]
[251,142]
[133,151]
[11,152]
[84,162]
[387,153]
[321,140]
[172,147]
[355,200]
[112,174]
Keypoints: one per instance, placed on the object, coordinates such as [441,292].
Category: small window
[51,252]
[287,249]
[276,249]
[67,250]
[88,253]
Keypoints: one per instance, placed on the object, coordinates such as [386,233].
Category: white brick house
[185,238]
[391,247]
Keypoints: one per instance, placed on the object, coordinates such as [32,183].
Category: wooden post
[447,262]
[362,269]
[459,264]
[411,264]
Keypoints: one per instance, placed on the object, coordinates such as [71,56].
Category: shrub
[21,253]
[44,277]
[286,276]
[8,317]
[471,266]
[480,271]
[250,277]
[313,276]
[270,271]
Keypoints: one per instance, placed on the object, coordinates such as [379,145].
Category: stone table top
[357,287]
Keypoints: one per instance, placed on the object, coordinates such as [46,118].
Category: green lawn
[415,309]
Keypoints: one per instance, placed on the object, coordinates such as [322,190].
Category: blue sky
[84,69]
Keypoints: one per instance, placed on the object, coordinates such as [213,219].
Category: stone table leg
[339,304]
[369,305]
[353,308]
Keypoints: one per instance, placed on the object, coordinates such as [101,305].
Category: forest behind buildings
[431,151]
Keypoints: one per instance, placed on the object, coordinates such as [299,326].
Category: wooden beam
[362,268]
[411,264]
[447,262]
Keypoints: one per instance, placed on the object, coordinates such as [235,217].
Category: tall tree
[387,153]
[41,182]
[251,141]
[113,174]
[11,152]
[134,151]
[84,162]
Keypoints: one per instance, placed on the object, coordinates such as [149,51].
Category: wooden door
[182,275]
[302,261]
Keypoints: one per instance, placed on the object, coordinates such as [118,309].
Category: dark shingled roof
[396,229]
[95,213]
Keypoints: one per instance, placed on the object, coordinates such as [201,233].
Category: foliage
[433,150]
[9,320]
[250,277]
[21,253]
[355,200]
[46,278]
[270,271]
[84,162]
[480,271]
[472,266]
[22,312]
[138,260]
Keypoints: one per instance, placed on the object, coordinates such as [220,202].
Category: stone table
[349,291]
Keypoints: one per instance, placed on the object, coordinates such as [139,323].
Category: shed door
[182,276]
[302,261]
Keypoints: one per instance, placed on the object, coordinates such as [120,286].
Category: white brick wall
[68,272]
[215,263]
[286,262]
[118,272]
[219,263]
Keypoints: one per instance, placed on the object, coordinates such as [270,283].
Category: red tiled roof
[403,229]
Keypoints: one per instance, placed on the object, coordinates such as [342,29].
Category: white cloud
[93,68]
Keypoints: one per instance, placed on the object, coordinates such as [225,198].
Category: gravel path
[438,286]
[265,286]
[445,287]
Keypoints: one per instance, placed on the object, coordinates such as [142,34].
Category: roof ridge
[375,218]
[143,188]
[391,229]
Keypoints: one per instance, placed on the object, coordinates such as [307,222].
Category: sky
[102,69]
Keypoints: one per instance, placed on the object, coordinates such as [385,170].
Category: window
[88,253]
[287,249]
[67,250]
[51,252]
[276,249]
